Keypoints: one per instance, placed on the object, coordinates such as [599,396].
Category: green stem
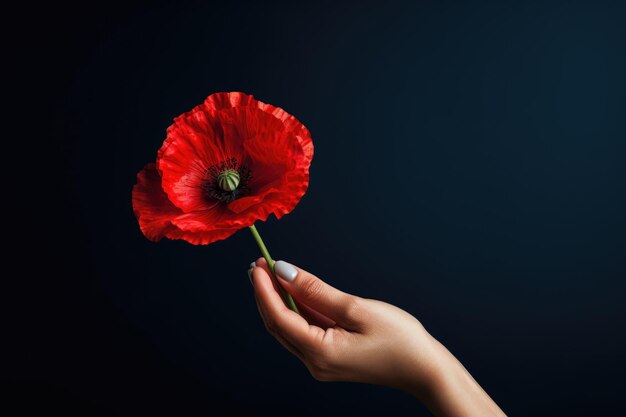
[270,262]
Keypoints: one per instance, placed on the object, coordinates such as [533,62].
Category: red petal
[158,217]
[190,148]
[276,151]
[281,173]
[202,237]
[220,101]
[151,206]
[201,220]
[292,125]
[244,203]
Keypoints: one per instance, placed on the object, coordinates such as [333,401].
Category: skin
[343,337]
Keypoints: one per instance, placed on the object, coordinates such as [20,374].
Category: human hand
[342,337]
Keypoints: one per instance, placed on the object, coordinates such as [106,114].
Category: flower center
[227,181]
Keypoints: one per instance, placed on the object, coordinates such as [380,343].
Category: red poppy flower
[230,161]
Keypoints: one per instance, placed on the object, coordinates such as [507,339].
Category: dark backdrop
[469,168]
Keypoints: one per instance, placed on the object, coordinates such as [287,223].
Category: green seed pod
[228,180]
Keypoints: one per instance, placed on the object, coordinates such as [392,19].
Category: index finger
[279,318]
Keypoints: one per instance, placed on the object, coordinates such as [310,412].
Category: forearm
[450,390]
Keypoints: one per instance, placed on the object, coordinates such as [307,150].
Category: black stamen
[212,188]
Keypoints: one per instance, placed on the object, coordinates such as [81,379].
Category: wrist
[435,369]
[448,389]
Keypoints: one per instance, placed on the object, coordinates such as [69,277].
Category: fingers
[291,348]
[279,319]
[315,317]
[306,288]
[312,316]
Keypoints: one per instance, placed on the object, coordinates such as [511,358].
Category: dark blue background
[469,168]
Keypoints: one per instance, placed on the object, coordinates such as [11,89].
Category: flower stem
[270,262]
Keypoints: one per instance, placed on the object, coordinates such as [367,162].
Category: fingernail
[285,271]
[252,265]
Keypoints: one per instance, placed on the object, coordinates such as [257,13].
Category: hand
[342,337]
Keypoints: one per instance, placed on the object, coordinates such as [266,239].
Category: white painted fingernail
[285,271]
[252,265]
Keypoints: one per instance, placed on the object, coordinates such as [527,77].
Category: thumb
[305,287]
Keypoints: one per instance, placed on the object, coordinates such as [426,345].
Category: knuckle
[354,310]
[323,363]
[319,375]
[312,288]
[271,325]
[320,369]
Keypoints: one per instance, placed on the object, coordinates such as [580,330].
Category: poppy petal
[220,101]
[159,218]
[200,220]
[201,237]
[279,162]
[241,204]
[184,159]
[294,126]
[153,209]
